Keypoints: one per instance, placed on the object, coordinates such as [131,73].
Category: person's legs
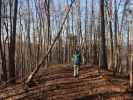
[77,71]
[74,70]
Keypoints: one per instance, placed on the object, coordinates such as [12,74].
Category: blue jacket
[77,58]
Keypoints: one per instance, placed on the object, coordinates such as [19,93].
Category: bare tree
[79,34]
[111,34]
[4,69]
[86,33]
[103,55]
[47,9]
[12,45]
[28,27]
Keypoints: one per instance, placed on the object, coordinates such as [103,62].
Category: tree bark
[103,55]
[78,21]
[131,72]
[12,46]
[111,37]
[4,75]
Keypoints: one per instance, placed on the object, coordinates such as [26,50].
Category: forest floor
[57,83]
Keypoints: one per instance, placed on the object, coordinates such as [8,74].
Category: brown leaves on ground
[57,83]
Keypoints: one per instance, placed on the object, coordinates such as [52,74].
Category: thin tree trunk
[111,37]
[28,29]
[111,45]
[47,9]
[131,72]
[115,38]
[12,45]
[128,49]
[78,21]
[86,31]
[115,27]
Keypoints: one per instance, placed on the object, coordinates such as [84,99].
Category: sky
[96,10]
[57,7]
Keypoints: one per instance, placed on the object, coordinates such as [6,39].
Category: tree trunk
[111,37]
[128,48]
[103,55]
[115,27]
[86,31]
[47,9]
[78,21]
[131,72]
[4,75]
[12,46]
[115,38]
[28,29]
[111,45]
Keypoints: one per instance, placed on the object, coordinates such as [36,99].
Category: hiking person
[76,61]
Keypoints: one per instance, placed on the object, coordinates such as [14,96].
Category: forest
[66,50]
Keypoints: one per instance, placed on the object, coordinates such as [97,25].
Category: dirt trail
[58,83]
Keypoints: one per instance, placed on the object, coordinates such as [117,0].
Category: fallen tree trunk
[49,50]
